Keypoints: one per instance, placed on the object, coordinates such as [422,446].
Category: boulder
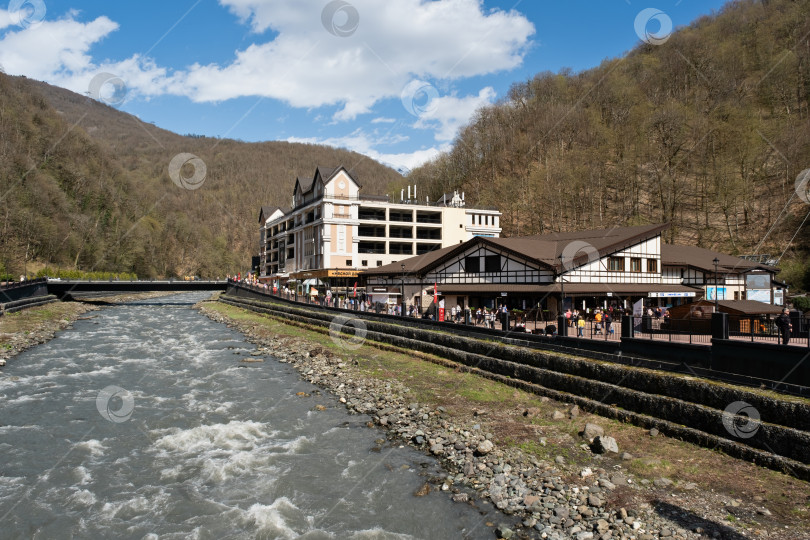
[602,445]
[592,430]
[485,447]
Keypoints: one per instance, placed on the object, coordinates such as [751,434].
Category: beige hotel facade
[333,231]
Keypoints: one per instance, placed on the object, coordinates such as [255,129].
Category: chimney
[409,192]
[402,195]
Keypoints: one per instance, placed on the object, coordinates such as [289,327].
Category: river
[144,422]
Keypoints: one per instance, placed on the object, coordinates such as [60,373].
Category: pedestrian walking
[784,325]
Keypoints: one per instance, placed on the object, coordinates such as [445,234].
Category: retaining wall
[632,394]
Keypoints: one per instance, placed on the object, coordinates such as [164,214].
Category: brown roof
[545,250]
[413,265]
[734,307]
[703,259]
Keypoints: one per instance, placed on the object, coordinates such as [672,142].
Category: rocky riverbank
[549,499]
[27,328]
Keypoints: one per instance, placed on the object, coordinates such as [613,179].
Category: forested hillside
[707,131]
[85,186]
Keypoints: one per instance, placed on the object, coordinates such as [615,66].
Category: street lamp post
[562,322]
[404,305]
[562,288]
[716,261]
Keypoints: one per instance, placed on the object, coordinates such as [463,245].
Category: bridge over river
[63,288]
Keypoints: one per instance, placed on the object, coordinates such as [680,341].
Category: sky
[391,79]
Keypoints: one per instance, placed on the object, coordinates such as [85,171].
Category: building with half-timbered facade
[594,268]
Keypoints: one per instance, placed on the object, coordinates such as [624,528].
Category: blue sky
[392,79]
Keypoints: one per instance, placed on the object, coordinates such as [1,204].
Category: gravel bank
[549,499]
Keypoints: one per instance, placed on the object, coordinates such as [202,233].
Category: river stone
[485,447]
[557,415]
[503,531]
[437,449]
[469,468]
[604,444]
[662,482]
[592,430]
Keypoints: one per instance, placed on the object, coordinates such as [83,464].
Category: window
[635,264]
[616,264]
[371,247]
[348,262]
[379,263]
[472,265]
[492,263]
[395,248]
[652,265]
[364,263]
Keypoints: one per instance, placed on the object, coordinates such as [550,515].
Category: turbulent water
[142,422]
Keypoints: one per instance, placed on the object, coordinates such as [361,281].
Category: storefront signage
[343,273]
[672,294]
[379,289]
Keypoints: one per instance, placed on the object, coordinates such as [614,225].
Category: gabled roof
[735,307]
[703,259]
[267,211]
[543,250]
[578,247]
[325,174]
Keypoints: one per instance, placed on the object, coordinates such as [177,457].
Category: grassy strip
[702,476]
[28,320]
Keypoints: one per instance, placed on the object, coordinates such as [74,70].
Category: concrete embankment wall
[23,295]
[688,409]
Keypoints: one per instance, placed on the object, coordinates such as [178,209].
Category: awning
[578,289]
[313,282]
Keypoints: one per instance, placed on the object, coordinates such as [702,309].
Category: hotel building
[333,231]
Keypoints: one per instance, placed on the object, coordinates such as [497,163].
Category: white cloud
[307,66]
[58,52]
[364,143]
[301,63]
[5,19]
[447,114]
[383,120]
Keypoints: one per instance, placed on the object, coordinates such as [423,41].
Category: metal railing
[766,328]
[687,330]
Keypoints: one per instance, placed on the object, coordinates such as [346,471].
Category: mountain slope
[87,186]
[707,131]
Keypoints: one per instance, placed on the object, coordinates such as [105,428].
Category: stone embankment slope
[703,412]
[578,495]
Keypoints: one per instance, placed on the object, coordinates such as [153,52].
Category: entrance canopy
[575,289]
